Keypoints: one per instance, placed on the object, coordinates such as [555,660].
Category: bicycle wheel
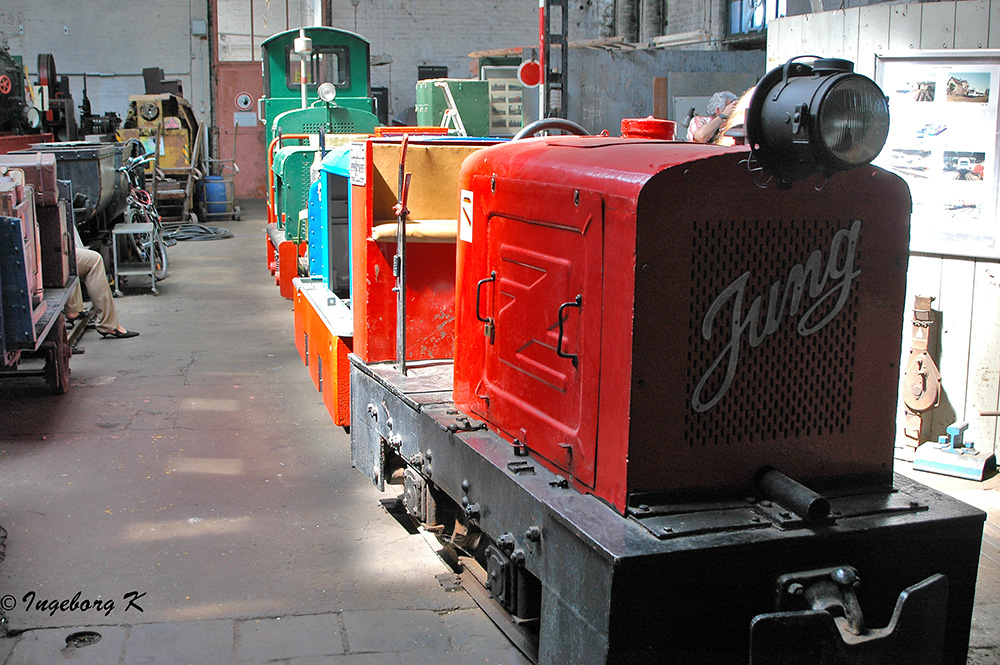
[143,244]
[160,257]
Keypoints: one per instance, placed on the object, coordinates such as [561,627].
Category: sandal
[71,320]
[116,334]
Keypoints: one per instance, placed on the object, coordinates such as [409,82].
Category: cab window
[327,64]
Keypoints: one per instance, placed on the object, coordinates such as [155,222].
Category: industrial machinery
[293,76]
[324,323]
[666,433]
[460,104]
[102,126]
[100,192]
[45,108]
[18,113]
[351,250]
[32,113]
[329,223]
[166,125]
[58,115]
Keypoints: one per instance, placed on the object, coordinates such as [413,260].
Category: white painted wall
[111,41]
[967,291]
[269,17]
[434,32]
[404,34]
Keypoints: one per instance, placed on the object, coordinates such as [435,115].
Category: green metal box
[471,97]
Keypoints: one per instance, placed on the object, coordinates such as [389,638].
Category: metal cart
[218,200]
[143,229]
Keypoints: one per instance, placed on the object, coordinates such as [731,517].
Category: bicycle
[140,208]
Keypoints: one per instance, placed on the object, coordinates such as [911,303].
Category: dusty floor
[197,465]
[985,637]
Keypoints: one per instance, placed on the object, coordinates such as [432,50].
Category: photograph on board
[970,87]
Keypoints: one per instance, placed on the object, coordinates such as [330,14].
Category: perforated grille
[328,127]
[790,385]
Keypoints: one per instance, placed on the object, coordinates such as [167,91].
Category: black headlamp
[820,118]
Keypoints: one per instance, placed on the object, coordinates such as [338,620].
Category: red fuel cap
[649,128]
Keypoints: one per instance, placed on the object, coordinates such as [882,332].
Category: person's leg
[90,266]
[74,305]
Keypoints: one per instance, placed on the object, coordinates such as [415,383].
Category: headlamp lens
[854,121]
[327,92]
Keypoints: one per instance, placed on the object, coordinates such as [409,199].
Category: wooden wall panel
[955,304]
[873,37]
[775,38]
[789,42]
[904,27]
[852,26]
[923,278]
[994,38]
[972,24]
[984,357]
[937,25]
[829,42]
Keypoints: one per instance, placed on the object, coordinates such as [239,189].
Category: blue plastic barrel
[215,194]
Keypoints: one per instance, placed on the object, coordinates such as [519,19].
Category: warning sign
[244,101]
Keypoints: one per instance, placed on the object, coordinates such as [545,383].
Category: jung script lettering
[822,290]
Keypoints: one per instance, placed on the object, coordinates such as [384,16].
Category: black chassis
[695,584]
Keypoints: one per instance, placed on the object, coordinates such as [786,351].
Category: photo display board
[943,130]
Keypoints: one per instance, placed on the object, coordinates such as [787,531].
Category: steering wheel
[549,124]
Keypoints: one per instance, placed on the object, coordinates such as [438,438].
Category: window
[748,17]
[425,72]
[327,64]
[243,24]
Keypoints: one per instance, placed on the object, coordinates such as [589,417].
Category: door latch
[489,329]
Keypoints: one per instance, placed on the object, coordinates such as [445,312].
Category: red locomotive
[666,434]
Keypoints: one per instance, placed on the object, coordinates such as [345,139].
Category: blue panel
[318,257]
[335,209]
[337,195]
[18,328]
[338,161]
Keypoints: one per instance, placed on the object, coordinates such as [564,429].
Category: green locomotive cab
[316,82]
[337,57]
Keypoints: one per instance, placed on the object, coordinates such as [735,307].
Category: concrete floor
[197,465]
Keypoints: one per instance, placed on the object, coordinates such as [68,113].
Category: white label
[358,165]
[465,217]
[244,119]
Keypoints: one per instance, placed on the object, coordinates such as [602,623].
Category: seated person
[703,128]
[90,269]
